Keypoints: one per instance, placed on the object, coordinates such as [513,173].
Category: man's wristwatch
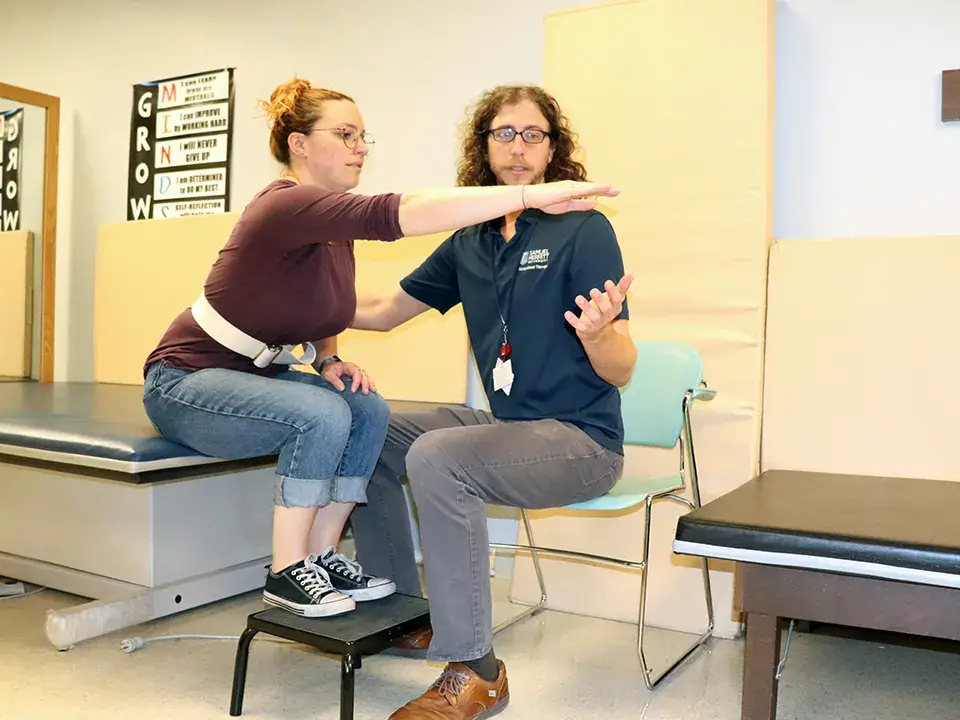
[325,361]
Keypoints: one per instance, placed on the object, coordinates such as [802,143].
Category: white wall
[860,149]
[411,77]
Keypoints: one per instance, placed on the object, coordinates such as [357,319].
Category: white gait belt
[262,354]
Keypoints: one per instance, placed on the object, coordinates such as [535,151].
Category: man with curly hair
[544,297]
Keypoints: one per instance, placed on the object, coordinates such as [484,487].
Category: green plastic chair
[655,406]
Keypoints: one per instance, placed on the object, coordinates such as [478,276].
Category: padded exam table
[870,552]
[95,503]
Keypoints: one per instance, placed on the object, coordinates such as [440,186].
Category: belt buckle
[266,355]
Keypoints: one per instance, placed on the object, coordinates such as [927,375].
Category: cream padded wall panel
[862,352]
[425,359]
[16,303]
[675,108]
[149,271]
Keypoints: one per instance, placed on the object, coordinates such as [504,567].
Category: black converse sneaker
[304,589]
[348,577]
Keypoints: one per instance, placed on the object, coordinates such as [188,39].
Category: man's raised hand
[602,308]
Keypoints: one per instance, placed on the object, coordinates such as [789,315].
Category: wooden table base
[771,594]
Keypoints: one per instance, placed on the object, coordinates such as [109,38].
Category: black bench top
[369,629]
[101,429]
[92,424]
[894,528]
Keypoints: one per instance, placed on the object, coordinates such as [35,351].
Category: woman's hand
[334,372]
[566,195]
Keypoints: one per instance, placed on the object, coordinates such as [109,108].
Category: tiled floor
[560,667]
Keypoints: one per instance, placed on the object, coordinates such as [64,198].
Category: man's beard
[535,180]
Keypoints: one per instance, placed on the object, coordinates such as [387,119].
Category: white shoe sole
[325,609]
[373,593]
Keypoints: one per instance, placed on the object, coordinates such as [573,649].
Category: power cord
[36,591]
[129,645]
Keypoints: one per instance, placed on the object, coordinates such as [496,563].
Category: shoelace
[345,565]
[452,682]
[313,579]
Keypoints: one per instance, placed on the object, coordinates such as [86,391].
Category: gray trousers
[457,460]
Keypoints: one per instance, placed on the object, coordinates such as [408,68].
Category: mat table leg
[240,671]
[347,667]
[759,699]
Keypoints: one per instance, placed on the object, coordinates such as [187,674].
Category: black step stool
[372,627]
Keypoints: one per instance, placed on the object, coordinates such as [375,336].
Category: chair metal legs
[650,679]
[535,554]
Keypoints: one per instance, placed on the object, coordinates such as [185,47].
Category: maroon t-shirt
[286,275]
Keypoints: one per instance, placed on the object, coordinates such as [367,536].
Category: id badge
[503,376]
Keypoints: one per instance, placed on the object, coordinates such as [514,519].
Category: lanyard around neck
[504,307]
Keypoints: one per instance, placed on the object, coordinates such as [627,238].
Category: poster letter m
[168,93]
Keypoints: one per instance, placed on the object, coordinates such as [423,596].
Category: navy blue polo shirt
[538,274]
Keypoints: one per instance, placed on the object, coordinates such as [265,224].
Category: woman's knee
[329,416]
[376,412]
[369,411]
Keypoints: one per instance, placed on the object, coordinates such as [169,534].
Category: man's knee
[431,458]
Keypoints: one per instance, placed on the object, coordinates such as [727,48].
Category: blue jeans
[328,440]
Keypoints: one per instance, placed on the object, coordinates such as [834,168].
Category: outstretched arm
[328,217]
[429,211]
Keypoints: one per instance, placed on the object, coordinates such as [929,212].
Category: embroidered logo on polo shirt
[534,259]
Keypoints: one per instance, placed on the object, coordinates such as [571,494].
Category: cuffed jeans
[328,440]
[457,460]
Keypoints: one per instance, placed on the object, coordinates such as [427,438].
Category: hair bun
[284,98]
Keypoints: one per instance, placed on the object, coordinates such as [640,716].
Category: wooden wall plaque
[950,106]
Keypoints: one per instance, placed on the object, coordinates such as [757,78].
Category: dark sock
[486,667]
[283,570]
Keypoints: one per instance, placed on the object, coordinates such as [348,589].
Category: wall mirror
[29,150]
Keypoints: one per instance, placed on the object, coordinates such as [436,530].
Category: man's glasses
[533,136]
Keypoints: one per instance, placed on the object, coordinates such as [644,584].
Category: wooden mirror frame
[51,155]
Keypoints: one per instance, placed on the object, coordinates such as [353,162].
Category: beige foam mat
[674,107]
[16,303]
[862,351]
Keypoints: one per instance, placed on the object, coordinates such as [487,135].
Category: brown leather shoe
[459,694]
[417,640]
[412,645]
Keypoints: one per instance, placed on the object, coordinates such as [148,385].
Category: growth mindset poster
[181,137]
[11,147]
